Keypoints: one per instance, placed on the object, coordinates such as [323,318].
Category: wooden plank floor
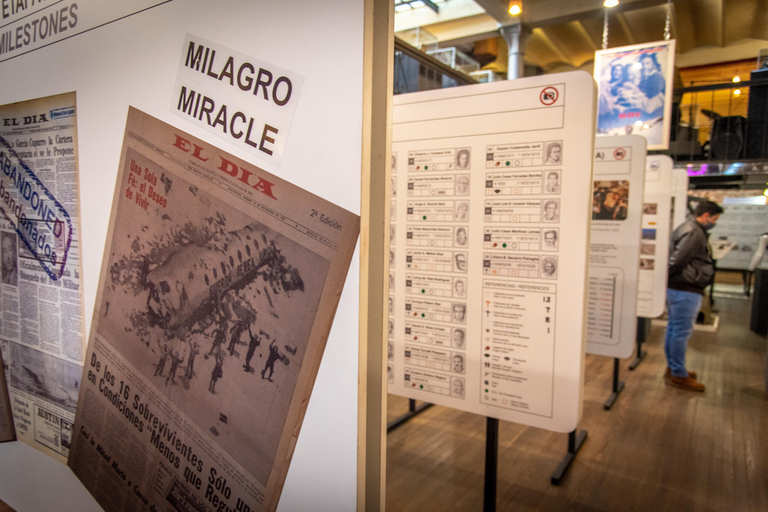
[660,448]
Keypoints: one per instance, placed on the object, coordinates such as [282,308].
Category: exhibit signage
[26,25]
[217,292]
[491,208]
[247,102]
[43,324]
[635,91]
[679,196]
[654,240]
[617,209]
[741,225]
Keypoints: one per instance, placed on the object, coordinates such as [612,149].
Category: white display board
[741,225]
[654,239]
[679,196]
[617,209]
[491,213]
[135,61]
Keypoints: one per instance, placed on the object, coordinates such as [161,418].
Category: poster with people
[635,91]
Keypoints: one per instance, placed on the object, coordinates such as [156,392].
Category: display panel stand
[617,386]
[491,463]
[413,410]
[575,441]
[643,325]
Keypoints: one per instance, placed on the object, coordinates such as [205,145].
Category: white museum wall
[134,61]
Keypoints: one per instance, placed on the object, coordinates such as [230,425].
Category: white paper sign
[617,207]
[652,283]
[491,202]
[29,25]
[239,98]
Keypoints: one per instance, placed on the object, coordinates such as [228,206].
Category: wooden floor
[660,448]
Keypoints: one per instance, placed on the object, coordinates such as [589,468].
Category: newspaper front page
[217,293]
[42,331]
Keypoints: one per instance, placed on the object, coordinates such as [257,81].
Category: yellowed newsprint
[217,292]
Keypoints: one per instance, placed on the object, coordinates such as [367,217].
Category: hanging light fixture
[610,3]
[515,7]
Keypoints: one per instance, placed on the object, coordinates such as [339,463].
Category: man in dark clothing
[255,342]
[273,356]
[691,270]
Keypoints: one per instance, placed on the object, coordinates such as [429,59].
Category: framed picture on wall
[635,91]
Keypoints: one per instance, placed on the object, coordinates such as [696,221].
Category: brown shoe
[687,383]
[668,373]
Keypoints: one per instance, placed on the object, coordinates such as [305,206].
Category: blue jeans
[682,310]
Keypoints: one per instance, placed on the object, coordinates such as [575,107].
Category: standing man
[691,269]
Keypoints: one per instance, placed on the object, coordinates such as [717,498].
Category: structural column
[516,36]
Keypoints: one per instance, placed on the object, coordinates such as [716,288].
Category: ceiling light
[736,79]
[611,3]
[515,7]
[737,92]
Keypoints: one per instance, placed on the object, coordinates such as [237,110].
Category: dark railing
[417,71]
[722,126]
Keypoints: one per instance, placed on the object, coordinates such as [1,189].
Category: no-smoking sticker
[549,95]
[619,154]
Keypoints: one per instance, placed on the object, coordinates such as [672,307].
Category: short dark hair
[709,207]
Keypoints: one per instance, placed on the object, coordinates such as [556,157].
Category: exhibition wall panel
[136,61]
[652,283]
[490,213]
[617,209]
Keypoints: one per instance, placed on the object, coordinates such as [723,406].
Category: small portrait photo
[459,338]
[551,239]
[649,234]
[459,312]
[610,200]
[391,234]
[549,267]
[393,182]
[650,208]
[391,282]
[390,374]
[459,287]
[391,257]
[460,236]
[461,211]
[647,264]
[457,363]
[393,162]
[457,387]
[462,158]
[391,305]
[461,185]
[390,350]
[392,211]
[648,249]
[460,262]
[550,210]
[390,328]
[9,256]
[551,182]
[554,153]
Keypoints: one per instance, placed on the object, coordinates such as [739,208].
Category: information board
[679,197]
[491,203]
[654,243]
[617,209]
[741,225]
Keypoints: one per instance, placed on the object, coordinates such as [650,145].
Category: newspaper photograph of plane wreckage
[217,293]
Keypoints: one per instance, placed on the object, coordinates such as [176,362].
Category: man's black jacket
[691,268]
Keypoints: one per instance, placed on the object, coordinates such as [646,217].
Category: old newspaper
[42,333]
[7,430]
[217,292]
